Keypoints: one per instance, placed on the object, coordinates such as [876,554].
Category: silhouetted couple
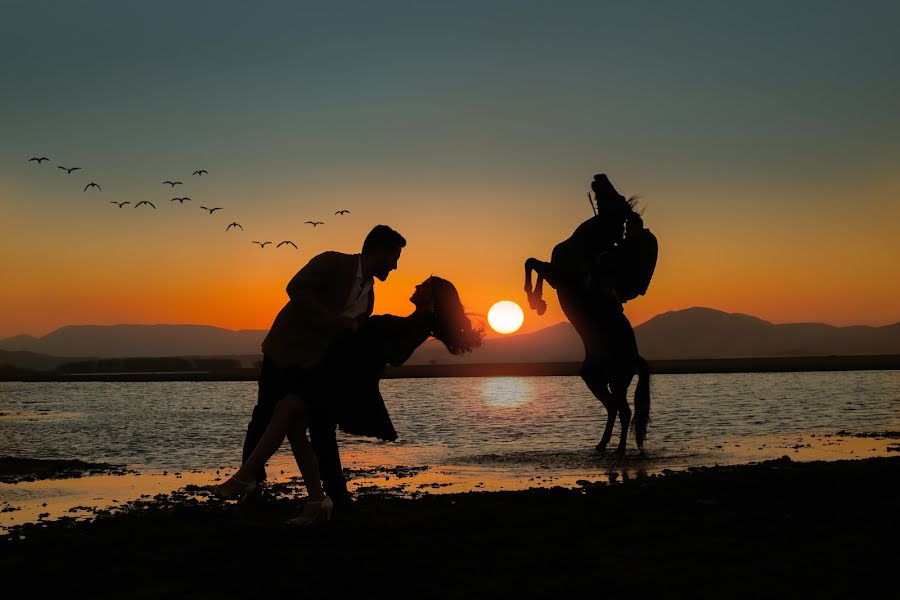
[322,362]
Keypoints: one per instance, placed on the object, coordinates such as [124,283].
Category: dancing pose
[343,390]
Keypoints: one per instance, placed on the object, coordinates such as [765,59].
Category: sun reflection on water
[506,392]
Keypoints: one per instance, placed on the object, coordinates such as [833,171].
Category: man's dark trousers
[322,435]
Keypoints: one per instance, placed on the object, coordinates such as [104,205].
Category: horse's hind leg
[597,384]
[607,432]
[620,401]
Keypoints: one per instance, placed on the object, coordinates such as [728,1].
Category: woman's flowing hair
[451,324]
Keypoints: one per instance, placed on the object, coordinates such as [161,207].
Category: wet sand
[17,470]
[827,529]
[46,490]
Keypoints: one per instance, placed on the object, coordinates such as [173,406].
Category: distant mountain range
[682,334]
[117,341]
[686,334]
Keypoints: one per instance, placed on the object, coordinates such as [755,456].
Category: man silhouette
[328,298]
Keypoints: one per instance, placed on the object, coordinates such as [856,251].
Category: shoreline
[668,367]
[774,528]
[35,490]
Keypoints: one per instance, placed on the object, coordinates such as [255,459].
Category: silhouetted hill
[686,334]
[20,343]
[557,343]
[708,333]
[683,334]
[118,341]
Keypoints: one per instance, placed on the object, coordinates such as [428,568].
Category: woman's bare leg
[306,458]
[286,412]
[318,506]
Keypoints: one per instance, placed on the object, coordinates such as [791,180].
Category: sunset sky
[763,140]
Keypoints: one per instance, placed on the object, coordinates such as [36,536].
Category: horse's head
[610,203]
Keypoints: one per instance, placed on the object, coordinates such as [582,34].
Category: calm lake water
[497,422]
[456,434]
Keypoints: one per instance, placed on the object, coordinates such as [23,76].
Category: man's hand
[347,324]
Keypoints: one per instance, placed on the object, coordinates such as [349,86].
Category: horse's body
[579,272]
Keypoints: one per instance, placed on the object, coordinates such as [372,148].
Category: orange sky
[830,260]
[762,139]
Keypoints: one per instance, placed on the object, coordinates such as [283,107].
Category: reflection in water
[181,426]
[506,392]
[81,498]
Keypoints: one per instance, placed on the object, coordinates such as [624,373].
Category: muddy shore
[16,470]
[827,529]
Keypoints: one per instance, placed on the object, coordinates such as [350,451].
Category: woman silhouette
[353,368]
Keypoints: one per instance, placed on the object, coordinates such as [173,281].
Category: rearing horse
[579,271]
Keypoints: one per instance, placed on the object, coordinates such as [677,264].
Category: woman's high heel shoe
[233,489]
[314,512]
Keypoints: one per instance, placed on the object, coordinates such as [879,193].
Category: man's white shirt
[358,299]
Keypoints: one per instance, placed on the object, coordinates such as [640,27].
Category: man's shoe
[344,505]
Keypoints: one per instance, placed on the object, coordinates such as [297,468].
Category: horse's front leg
[593,378]
[535,300]
[529,267]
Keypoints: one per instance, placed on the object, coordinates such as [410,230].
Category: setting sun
[505,316]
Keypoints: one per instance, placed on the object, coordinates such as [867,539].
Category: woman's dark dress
[348,393]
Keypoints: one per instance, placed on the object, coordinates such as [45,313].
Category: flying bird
[287,242]
[144,202]
[39,160]
[119,204]
[172,183]
[234,225]
[342,212]
[314,223]
[180,200]
[263,244]
[211,210]
[201,172]
[69,171]
[92,184]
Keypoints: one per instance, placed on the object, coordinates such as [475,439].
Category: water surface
[460,433]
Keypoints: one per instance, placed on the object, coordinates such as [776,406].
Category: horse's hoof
[601,448]
[620,451]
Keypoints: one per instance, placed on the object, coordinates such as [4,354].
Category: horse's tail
[642,402]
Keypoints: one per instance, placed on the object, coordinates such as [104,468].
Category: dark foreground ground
[774,529]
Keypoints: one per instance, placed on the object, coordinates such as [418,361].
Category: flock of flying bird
[181,200]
